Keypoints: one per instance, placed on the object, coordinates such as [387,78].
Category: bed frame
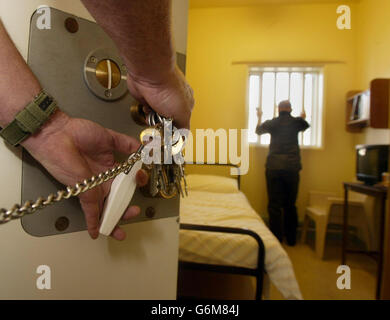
[258,273]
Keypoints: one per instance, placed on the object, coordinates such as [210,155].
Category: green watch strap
[30,119]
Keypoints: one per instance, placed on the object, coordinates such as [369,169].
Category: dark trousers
[282,189]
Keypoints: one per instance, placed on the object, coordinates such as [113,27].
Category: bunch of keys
[166,171]
[161,156]
[165,175]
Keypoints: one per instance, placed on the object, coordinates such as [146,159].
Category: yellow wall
[374,62]
[302,32]
[373,55]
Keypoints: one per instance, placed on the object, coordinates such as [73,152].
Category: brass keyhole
[108,74]
[138,114]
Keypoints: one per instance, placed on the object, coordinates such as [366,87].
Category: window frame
[318,118]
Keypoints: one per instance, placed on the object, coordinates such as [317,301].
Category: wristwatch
[30,119]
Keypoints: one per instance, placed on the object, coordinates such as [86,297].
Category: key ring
[154,118]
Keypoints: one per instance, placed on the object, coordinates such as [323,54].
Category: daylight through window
[302,86]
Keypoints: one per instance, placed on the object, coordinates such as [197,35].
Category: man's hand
[259,114]
[303,115]
[141,29]
[172,97]
[75,149]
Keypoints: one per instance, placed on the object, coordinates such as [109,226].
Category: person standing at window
[282,170]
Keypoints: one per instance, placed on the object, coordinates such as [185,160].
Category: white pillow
[210,183]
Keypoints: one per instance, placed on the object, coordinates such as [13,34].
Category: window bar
[275,106]
[260,102]
[289,85]
[303,103]
[319,109]
[313,104]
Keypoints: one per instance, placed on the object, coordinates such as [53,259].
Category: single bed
[220,232]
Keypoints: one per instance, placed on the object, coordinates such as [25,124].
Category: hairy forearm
[141,29]
[18,85]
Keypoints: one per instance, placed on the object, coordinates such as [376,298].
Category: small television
[372,161]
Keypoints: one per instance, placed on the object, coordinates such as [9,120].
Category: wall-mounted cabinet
[369,108]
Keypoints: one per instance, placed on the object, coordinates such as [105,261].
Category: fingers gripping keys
[165,174]
[159,142]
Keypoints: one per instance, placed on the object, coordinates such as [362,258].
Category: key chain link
[29,207]
[18,211]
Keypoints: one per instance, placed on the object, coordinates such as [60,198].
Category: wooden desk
[379,192]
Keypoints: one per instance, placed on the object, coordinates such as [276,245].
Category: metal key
[165,179]
[154,180]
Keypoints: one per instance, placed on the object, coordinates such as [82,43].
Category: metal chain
[18,211]
[29,207]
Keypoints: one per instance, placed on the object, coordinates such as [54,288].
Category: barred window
[303,86]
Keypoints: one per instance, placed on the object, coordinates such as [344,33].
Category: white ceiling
[234,3]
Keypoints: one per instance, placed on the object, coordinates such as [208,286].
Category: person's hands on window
[259,114]
[75,149]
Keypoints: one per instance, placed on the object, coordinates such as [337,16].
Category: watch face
[46,103]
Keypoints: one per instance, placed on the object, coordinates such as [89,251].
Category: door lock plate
[74,68]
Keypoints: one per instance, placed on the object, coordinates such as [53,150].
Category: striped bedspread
[233,210]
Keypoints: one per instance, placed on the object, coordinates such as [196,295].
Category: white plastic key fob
[121,193]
